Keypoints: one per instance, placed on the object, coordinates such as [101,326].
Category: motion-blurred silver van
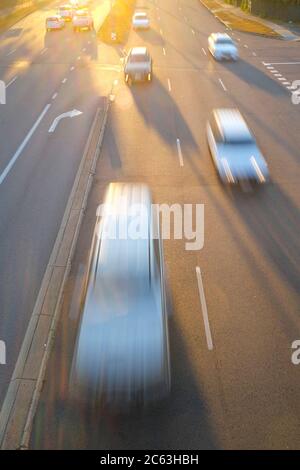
[122,349]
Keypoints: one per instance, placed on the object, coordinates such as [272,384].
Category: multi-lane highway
[45,75]
[242,390]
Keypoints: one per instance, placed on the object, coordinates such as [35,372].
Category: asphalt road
[45,75]
[244,392]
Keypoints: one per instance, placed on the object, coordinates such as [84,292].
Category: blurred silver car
[221,46]
[234,149]
[121,355]
[140,20]
[138,65]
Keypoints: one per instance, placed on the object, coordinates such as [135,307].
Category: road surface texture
[44,78]
[244,391]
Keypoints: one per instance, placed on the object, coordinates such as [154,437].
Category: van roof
[125,231]
[232,125]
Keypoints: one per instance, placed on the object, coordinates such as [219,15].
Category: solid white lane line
[23,145]
[64,80]
[179,152]
[54,96]
[164,51]
[169,85]
[204,309]
[222,84]
[11,52]
[282,63]
[12,81]
[204,51]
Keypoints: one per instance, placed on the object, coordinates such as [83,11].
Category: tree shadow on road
[160,112]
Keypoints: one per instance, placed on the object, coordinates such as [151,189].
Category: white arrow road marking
[70,114]
[23,145]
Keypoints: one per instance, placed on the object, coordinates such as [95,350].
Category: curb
[25,386]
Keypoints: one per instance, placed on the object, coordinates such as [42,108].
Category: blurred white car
[66,12]
[140,20]
[221,46]
[83,19]
[138,65]
[121,355]
[54,22]
[234,150]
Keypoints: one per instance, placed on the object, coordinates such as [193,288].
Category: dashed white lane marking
[89,42]
[193,32]
[72,68]
[204,51]
[64,80]
[84,49]
[238,39]
[12,81]
[23,144]
[204,309]
[179,152]
[54,96]
[245,45]
[161,32]
[164,51]
[79,57]
[222,84]
[254,53]
[44,51]
[169,85]
[11,52]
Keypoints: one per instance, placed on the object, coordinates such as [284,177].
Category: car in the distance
[83,19]
[138,65]
[66,12]
[222,47]
[140,20]
[54,22]
[233,148]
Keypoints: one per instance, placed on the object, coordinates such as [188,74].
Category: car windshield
[239,139]
[138,58]
[227,41]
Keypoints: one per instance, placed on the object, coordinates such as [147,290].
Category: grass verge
[239,23]
[117,22]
